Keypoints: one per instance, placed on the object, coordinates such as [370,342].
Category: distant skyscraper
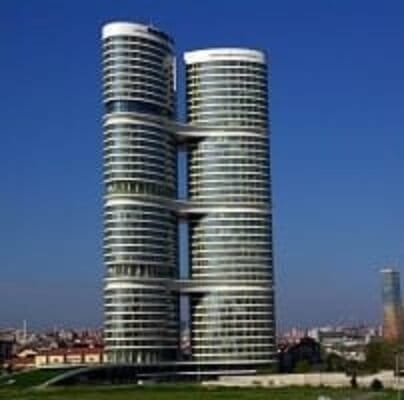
[228,210]
[392,305]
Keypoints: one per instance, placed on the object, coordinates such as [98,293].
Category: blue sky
[337,148]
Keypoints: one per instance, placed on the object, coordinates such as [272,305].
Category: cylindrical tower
[392,305]
[229,178]
[141,321]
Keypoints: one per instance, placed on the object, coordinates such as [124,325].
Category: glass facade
[231,243]
[229,206]
[227,93]
[392,305]
[140,232]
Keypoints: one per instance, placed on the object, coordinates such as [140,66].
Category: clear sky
[337,147]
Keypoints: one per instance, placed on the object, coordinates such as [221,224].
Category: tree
[380,355]
[354,383]
[335,363]
[376,384]
[302,367]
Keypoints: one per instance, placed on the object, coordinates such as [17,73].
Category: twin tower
[227,209]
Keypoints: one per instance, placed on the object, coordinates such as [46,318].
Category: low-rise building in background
[70,356]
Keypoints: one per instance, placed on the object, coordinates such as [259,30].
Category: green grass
[28,379]
[189,392]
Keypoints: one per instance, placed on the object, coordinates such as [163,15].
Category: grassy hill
[185,392]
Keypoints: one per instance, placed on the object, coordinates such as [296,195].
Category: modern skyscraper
[231,244]
[229,205]
[141,320]
[392,305]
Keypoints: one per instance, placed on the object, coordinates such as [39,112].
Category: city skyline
[337,201]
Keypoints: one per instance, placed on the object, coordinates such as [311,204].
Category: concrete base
[310,379]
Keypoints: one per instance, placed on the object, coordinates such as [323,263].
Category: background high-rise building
[392,305]
[141,321]
[232,318]
[228,209]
